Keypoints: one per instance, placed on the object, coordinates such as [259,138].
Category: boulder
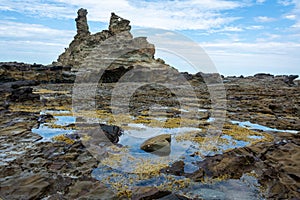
[159,145]
[112,132]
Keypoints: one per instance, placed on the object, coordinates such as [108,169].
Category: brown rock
[118,24]
[176,169]
[158,145]
[148,193]
[90,190]
[27,187]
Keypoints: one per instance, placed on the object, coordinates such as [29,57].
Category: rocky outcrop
[84,43]
[14,71]
[278,174]
[17,91]
[113,49]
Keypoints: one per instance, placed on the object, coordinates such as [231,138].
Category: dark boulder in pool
[112,132]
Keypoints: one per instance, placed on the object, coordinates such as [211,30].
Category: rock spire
[81,22]
[118,24]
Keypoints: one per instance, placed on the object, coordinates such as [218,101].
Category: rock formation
[81,23]
[86,48]
[118,24]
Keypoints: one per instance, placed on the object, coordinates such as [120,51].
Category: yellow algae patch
[117,160]
[147,168]
[63,138]
[209,180]
[120,119]
[46,91]
[115,148]
[156,123]
[174,184]
[144,168]
[190,136]
[199,137]
[95,114]
[245,134]
[181,122]
[113,160]
[206,143]
[125,193]
[172,123]
[142,120]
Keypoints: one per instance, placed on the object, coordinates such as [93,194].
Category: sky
[242,37]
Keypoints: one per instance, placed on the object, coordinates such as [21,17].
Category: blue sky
[241,37]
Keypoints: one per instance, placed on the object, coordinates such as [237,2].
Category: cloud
[260,1]
[294,14]
[10,29]
[264,19]
[250,58]
[30,51]
[285,2]
[290,17]
[174,15]
[31,43]
[254,27]
[51,9]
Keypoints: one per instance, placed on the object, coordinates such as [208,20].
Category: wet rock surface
[32,168]
[159,144]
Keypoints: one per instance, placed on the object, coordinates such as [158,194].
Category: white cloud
[290,17]
[34,31]
[38,8]
[250,58]
[285,2]
[264,19]
[187,14]
[255,27]
[260,1]
[294,14]
[232,29]
[31,42]
[30,51]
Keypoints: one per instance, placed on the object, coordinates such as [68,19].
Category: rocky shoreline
[62,167]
